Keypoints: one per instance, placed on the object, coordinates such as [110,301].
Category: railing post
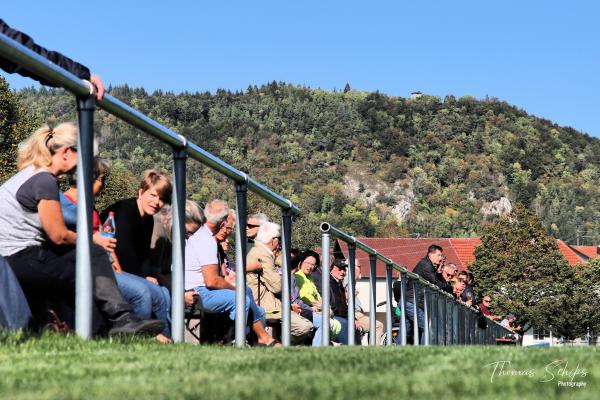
[434,310]
[426,315]
[286,307]
[352,294]
[455,322]
[388,307]
[85,160]
[416,314]
[325,268]
[241,191]
[178,243]
[403,330]
[373,299]
[448,335]
[443,328]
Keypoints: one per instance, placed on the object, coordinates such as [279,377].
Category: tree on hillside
[120,184]
[15,125]
[521,267]
[587,296]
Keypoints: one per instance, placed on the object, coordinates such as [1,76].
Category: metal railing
[445,320]
[182,149]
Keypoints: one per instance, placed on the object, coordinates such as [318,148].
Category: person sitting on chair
[266,282]
[202,274]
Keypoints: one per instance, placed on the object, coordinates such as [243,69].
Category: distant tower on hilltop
[415,95]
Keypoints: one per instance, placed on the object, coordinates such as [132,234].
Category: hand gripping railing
[182,149]
[445,320]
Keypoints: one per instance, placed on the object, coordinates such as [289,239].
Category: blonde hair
[39,148]
[159,180]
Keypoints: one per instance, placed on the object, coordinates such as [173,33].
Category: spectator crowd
[131,261]
[131,266]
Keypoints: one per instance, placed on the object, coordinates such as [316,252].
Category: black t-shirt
[41,186]
[133,234]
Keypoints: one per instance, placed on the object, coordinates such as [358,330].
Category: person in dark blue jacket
[77,69]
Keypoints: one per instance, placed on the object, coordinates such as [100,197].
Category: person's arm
[77,69]
[53,223]
[427,271]
[270,278]
[213,280]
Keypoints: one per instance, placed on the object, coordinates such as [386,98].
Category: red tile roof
[588,251]
[572,257]
[408,252]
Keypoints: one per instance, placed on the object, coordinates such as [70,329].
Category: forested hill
[374,164]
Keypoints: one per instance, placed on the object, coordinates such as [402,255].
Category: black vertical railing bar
[178,244]
[388,301]
[442,319]
[403,317]
[445,318]
[426,316]
[50,72]
[415,287]
[372,297]
[352,291]
[455,323]
[241,198]
[433,316]
[83,274]
[286,247]
[325,285]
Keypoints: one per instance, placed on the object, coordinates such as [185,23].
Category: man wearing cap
[339,304]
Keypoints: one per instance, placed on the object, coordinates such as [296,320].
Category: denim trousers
[222,301]
[146,298]
[410,312]
[14,309]
[335,329]
[343,335]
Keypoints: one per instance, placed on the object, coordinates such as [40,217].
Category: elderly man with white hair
[266,282]
[202,273]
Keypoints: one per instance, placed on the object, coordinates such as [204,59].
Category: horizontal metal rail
[330,231]
[58,76]
[182,149]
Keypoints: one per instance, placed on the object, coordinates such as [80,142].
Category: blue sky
[542,56]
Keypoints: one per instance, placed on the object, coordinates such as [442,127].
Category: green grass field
[54,367]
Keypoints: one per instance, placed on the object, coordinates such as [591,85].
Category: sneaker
[129,324]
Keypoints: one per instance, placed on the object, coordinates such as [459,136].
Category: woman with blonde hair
[35,241]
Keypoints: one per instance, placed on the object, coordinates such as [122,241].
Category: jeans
[146,298]
[410,310]
[343,335]
[14,309]
[334,326]
[222,301]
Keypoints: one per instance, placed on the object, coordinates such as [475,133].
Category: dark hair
[433,248]
[470,276]
[100,167]
[294,256]
[306,254]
